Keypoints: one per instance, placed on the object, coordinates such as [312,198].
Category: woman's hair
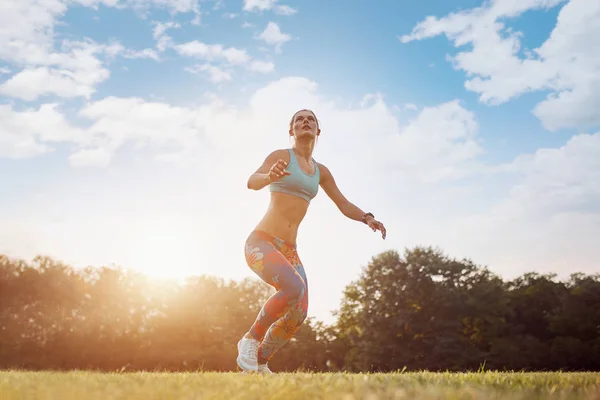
[311,111]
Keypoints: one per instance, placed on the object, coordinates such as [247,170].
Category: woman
[294,178]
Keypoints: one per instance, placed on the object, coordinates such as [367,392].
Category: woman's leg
[282,330]
[266,259]
[270,259]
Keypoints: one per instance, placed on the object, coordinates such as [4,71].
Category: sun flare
[165,251]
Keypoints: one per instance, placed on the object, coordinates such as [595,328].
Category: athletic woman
[294,178]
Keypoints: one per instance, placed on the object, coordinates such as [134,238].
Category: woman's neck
[304,150]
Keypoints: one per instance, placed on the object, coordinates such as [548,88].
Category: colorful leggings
[277,263]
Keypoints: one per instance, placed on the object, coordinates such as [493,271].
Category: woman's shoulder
[322,166]
[279,154]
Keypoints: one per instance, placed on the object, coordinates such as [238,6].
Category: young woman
[294,178]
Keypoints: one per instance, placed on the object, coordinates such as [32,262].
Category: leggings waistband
[273,239]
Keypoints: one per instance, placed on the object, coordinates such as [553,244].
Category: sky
[128,130]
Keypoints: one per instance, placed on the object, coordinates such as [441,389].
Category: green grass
[207,385]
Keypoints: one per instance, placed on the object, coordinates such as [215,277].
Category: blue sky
[349,51]
[467,125]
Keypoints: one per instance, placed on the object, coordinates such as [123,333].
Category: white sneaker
[247,354]
[264,369]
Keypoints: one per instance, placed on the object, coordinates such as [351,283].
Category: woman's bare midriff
[283,217]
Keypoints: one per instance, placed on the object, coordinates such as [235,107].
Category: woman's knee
[296,289]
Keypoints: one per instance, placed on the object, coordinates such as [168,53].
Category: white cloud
[29,84]
[30,133]
[164,41]
[26,29]
[567,63]
[117,49]
[75,72]
[4,70]
[213,52]
[216,74]
[73,68]
[142,6]
[155,125]
[228,57]
[95,157]
[550,219]
[115,122]
[176,6]
[272,35]
[261,66]
[285,10]
[439,144]
[160,28]
[145,53]
[559,180]
[266,5]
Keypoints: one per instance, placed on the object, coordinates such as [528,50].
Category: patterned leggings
[277,263]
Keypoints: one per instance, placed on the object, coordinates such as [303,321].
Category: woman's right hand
[277,171]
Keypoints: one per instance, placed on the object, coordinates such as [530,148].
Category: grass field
[206,385]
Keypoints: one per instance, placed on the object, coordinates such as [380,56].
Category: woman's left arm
[345,206]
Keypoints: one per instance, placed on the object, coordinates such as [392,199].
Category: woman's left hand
[376,226]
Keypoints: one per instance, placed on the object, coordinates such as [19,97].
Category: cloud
[157,126]
[113,123]
[440,143]
[96,157]
[75,72]
[567,63]
[117,49]
[143,6]
[29,84]
[26,39]
[226,57]
[266,5]
[216,74]
[272,35]
[213,52]
[163,41]
[176,6]
[285,10]
[549,220]
[31,133]
[559,180]
[73,68]
[263,67]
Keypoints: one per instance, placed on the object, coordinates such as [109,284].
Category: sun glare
[162,252]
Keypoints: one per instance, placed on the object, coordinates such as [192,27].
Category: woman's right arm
[271,169]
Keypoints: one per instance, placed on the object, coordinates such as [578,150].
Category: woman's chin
[306,135]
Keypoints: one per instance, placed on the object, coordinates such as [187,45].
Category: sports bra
[298,183]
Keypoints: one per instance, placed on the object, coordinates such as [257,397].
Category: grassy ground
[149,386]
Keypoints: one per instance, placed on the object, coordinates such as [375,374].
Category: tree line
[420,310]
